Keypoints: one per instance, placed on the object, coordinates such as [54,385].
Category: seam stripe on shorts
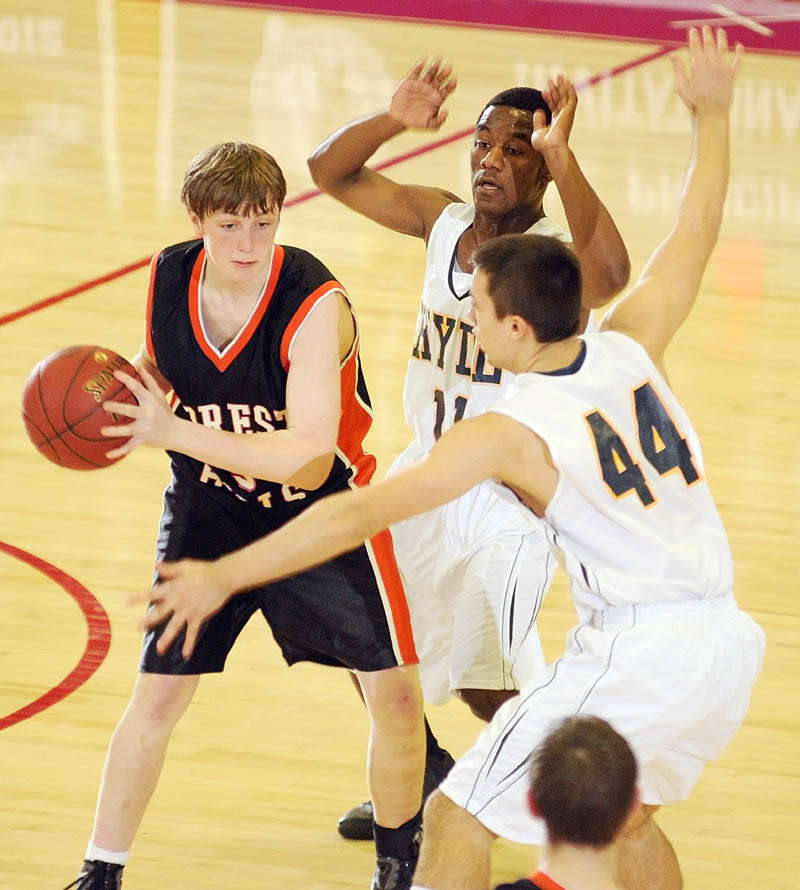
[519,772]
[617,635]
[509,601]
[537,602]
[494,753]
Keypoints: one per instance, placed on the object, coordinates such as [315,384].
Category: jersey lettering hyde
[449,376]
[631,502]
[242,388]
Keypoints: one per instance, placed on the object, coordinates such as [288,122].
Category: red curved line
[97,644]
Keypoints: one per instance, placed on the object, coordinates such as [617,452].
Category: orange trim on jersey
[148,333]
[383,550]
[301,315]
[224,361]
[545,882]
[354,421]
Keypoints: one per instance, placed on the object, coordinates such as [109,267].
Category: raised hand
[562,99]
[418,98]
[553,140]
[150,419]
[189,592]
[707,85]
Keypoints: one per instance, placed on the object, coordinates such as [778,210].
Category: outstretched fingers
[418,99]
[562,100]
[707,83]
[711,47]
[439,75]
[417,68]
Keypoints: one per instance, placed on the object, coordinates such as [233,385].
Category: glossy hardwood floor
[101,108]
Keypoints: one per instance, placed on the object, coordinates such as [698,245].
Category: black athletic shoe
[96,875]
[392,873]
[356,824]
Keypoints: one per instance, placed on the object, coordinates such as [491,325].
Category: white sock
[95,852]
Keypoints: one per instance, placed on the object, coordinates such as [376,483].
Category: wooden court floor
[101,107]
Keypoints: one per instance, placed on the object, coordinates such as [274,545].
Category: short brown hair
[583,782]
[233,177]
[536,277]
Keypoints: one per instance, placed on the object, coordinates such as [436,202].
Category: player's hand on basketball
[553,140]
[188,593]
[418,98]
[149,421]
[706,86]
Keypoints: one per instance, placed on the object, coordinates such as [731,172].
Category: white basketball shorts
[673,678]
[475,572]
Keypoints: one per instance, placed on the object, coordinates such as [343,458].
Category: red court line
[73,291]
[313,193]
[626,66]
[97,644]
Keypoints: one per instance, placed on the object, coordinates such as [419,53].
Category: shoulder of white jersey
[460,212]
[453,220]
[616,340]
[549,227]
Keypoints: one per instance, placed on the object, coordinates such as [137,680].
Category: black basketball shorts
[350,612]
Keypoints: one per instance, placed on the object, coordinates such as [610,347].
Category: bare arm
[142,359]
[483,447]
[597,242]
[666,291]
[338,165]
[301,455]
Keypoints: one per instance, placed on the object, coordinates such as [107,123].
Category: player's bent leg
[646,860]
[456,848]
[396,758]
[484,703]
[395,764]
[357,823]
[136,754]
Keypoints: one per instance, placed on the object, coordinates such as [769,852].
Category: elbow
[315,167]
[619,275]
[327,175]
[313,473]
[603,286]
[319,168]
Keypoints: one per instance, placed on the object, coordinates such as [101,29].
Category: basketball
[62,405]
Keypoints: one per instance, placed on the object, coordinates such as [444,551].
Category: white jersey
[632,515]
[448,375]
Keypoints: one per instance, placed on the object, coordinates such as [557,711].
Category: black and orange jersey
[242,388]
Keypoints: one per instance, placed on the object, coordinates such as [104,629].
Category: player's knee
[484,702]
[437,812]
[447,822]
[639,823]
[406,711]
[395,701]
[159,700]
